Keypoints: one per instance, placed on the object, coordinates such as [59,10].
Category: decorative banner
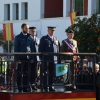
[76,95]
[61,69]
[8,31]
[74,99]
[72,17]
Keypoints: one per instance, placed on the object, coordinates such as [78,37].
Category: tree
[4,44]
[87,33]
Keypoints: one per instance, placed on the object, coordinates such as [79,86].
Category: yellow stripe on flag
[73,17]
[8,32]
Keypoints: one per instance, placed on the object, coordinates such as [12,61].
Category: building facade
[43,13]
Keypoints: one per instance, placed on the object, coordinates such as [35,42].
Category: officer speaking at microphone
[49,43]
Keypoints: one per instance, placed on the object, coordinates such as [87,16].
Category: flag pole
[8,50]
[8,46]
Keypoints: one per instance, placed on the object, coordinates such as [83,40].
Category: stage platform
[71,95]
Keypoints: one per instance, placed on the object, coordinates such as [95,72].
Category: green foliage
[4,44]
[87,33]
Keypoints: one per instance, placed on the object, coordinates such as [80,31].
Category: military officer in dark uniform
[33,70]
[49,43]
[20,45]
[69,45]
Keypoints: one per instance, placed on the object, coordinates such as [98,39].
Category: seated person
[84,78]
[85,61]
[97,79]
[96,68]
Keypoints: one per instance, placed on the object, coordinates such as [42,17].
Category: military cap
[32,28]
[69,31]
[52,28]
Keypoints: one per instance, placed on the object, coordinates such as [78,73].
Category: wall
[60,23]
[37,8]
[33,11]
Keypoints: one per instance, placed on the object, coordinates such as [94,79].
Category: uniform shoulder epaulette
[74,40]
[56,37]
[64,40]
[43,37]
[17,36]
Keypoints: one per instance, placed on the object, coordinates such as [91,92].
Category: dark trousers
[33,73]
[97,93]
[97,89]
[48,71]
[23,75]
[73,69]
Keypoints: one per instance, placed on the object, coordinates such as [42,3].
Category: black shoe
[73,87]
[20,91]
[34,88]
[51,89]
[27,90]
[46,90]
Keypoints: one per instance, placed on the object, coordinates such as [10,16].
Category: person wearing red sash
[69,45]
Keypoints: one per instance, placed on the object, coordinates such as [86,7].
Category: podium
[62,76]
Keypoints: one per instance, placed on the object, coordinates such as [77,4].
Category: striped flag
[8,31]
[72,17]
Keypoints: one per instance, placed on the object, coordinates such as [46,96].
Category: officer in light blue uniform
[49,44]
[33,70]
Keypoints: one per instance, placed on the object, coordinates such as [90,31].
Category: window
[7,12]
[15,11]
[53,8]
[79,7]
[97,6]
[24,10]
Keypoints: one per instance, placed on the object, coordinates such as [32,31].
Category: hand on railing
[62,61]
[18,62]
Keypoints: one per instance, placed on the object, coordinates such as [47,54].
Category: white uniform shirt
[54,46]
